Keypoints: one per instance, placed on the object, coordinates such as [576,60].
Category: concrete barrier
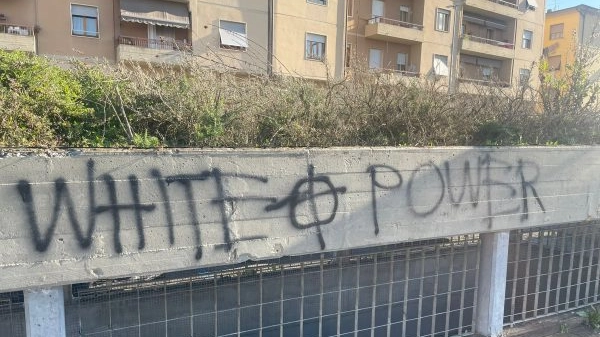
[81,216]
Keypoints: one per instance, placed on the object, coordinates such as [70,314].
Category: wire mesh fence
[552,270]
[12,314]
[418,289]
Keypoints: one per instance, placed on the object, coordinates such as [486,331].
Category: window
[233,35]
[554,62]
[440,65]
[375,59]
[348,54]
[556,31]
[315,47]
[486,73]
[350,7]
[405,14]
[442,20]
[527,37]
[524,76]
[84,20]
[401,62]
[489,34]
[318,2]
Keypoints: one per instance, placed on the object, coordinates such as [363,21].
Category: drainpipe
[270,38]
[456,46]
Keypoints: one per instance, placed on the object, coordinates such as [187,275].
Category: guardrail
[379,19]
[478,39]
[13,29]
[166,44]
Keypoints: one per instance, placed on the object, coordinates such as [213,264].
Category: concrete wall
[96,215]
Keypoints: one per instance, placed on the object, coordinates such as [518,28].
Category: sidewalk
[563,325]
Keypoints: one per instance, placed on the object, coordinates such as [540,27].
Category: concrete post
[492,284]
[45,312]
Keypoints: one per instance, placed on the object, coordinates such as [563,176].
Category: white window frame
[527,43]
[442,18]
[85,32]
[487,73]
[444,71]
[407,10]
[350,9]
[524,76]
[321,52]
[317,2]
[399,65]
[380,63]
[242,44]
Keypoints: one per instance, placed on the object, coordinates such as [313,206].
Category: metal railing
[7,28]
[12,314]
[379,19]
[503,44]
[425,288]
[485,82]
[162,43]
[552,270]
[505,3]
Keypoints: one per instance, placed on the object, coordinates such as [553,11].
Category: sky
[561,4]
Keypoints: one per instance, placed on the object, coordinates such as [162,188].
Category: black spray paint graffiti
[313,201]
[305,191]
[483,179]
[62,195]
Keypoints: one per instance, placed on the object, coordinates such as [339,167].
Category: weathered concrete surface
[111,214]
[45,312]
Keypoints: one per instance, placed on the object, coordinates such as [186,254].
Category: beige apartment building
[299,37]
[498,41]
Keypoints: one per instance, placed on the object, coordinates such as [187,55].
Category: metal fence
[418,289]
[552,270]
[12,314]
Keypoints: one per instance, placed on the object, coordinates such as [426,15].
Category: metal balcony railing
[505,3]
[504,44]
[379,19]
[13,29]
[164,44]
[486,82]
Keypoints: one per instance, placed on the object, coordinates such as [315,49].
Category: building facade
[566,32]
[301,38]
[497,41]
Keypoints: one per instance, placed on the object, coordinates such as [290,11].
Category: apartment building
[498,40]
[566,31]
[299,38]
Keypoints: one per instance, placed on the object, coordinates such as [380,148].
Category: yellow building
[498,42]
[566,31]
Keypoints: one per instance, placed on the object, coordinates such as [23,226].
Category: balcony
[17,37]
[390,30]
[502,7]
[479,45]
[139,49]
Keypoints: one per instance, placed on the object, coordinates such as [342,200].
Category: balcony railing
[379,19]
[478,39]
[164,44]
[490,83]
[7,28]
[505,3]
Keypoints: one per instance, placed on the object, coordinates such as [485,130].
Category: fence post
[45,312]
[492,284]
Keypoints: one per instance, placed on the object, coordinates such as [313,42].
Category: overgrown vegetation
[42,105]
[591,317]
